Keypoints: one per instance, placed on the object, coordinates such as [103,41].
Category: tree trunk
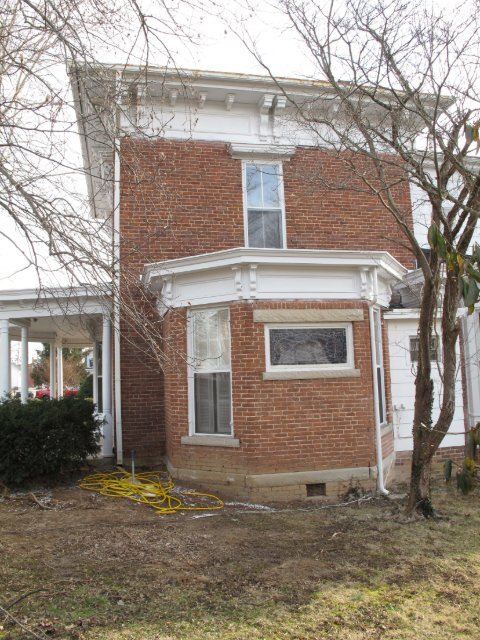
[419,495]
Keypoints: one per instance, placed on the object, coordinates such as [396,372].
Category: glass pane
[212,340]
[223,340]
[380,395]
[271,186]
[223,403]
[378,337]
[265,229]
[256,236]
[204,407]
[253,178]
[308,346]
[272,229]
[212,403]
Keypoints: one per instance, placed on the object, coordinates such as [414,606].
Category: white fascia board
[229,80]
[64,293]
[252,152]
[411,313]
[82,300]
[292,257]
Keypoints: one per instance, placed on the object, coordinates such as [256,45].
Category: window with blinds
[211,371]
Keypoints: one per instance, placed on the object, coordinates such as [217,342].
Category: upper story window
[264,205]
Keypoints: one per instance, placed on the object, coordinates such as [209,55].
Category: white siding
[403,387]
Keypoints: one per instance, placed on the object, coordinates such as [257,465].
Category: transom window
[309,347]
[264,205]
[210,404]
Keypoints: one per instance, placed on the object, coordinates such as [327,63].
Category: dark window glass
[381,415]
[308,346]
[265,229]
[414,348]
[212,403]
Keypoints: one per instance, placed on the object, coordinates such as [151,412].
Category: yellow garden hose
[149,488]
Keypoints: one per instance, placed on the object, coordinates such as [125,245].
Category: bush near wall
[44,439]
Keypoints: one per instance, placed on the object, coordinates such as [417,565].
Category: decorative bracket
[237,274]
[264,106]
[253,280]
[366,285]
[229,100]
[278,109]
[173,95]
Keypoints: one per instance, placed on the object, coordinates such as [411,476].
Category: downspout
[116,293]
[378,436]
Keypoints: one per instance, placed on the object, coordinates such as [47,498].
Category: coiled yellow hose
[148,488]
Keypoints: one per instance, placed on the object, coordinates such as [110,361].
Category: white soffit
[244,151]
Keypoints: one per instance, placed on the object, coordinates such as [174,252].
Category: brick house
[271,289]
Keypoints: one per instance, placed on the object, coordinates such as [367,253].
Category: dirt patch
[74,564]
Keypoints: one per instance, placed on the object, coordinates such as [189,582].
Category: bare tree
[402,88]
[42,173]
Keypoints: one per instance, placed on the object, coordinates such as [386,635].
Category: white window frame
[346,366]
[191,370]
[245,163]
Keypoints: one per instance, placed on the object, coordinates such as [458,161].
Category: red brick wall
[283,425]
[328,208]
[185,198]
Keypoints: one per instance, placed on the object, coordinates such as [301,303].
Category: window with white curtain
[211,371]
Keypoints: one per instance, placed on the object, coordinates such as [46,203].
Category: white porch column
[4,359]
[24,365]
[53,371]
[59,372]
[95,372]
[107,447]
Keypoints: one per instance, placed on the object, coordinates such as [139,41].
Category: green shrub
[86,388]
[40,440]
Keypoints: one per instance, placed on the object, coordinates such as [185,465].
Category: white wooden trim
[261,152]
[309,375]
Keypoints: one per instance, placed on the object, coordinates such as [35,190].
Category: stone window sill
[305,375]
[211,441]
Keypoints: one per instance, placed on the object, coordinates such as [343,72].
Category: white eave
[268,274]
[390,268]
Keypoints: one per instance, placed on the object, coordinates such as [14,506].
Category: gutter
[116,301]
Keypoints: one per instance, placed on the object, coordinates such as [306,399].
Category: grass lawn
[100,568]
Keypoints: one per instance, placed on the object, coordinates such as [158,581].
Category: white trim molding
[268,274]
[257,152]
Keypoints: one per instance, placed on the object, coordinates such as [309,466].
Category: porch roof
[69,315]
